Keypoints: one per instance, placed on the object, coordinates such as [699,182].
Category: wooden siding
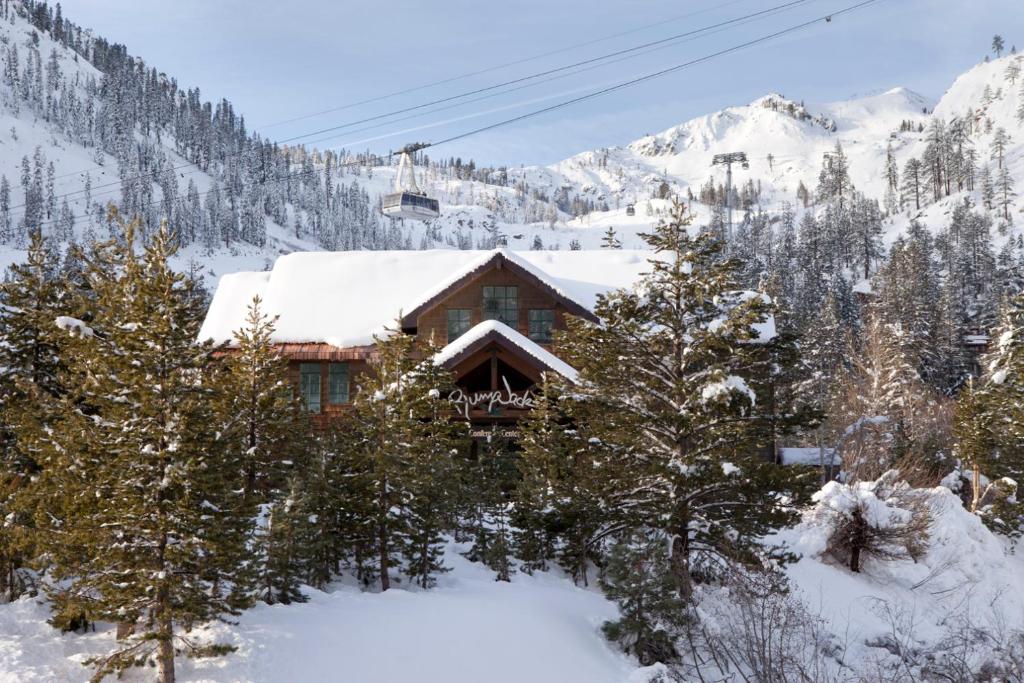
[434,321]
[355,368]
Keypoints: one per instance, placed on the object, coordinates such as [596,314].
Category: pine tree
[653,616]
[610,240]
[912,182]
[32,301]
[257,412]
[488,482]
[668,383]
[400,435]
[281,539]
[1004,186]
[1000,142]
[565,483]
[834,183]
[988,190]
[132,469]
[998,45]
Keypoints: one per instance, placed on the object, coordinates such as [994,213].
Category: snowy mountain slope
[785,140]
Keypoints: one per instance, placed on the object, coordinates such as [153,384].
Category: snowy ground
[544,629]
[467,630]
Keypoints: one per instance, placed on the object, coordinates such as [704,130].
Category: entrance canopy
[496,369]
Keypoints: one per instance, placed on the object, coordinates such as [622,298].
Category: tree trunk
[165,639]
[975,488]
[680,561]
[382,534]
[857,540]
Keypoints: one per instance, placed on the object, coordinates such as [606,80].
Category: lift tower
[728,160]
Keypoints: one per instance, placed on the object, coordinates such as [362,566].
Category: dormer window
[501,303]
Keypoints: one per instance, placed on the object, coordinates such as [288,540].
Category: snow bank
[966,573]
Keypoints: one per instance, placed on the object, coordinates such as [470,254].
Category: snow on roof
[344,298]
[230,305]
[805,456]
[481,330]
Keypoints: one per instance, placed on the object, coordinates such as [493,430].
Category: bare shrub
[884,519]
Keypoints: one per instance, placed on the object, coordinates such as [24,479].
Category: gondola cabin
[410,205]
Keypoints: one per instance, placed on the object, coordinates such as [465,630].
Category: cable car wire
[566,103]
[601,58]
[498,67]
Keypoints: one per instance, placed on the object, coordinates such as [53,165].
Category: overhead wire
[498,67]
[601,58]
[594,94]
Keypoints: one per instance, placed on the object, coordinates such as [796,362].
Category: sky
[281,62]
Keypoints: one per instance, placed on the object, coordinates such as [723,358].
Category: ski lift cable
[657,74]
[498,67]
[492,95]
[601,58]
[634,81]
[468,75]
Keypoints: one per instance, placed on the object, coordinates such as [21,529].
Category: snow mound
[966,574]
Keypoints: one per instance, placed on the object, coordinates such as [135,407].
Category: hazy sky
[276,60]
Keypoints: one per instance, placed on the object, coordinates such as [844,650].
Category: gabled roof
[344,298]
[499,258]
[492,331]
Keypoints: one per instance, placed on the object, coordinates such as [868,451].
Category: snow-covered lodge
[491,312]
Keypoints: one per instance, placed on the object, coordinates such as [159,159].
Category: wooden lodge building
[492,313]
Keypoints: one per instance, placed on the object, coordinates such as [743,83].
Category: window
[337,383]
[542,321]
[309,386]
[458,323]
[501,303]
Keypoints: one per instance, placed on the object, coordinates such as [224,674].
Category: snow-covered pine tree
[130,467]
[913,177]
[610,240]
[32,298]
[1004,188]
[561,510]
[432,480]
[281,539]
[257,411]
[492,477]
[668,384]
[400,429]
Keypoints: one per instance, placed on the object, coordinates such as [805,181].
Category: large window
[458,323]
[337,383]
[542,321]
[309,386]
[502,303]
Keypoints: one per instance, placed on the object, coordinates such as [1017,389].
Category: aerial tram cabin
[408,201]
[630,210]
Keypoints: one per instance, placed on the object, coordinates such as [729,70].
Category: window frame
[468,322]
[548,319]
[306,375]
[333,373]
[503,308]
